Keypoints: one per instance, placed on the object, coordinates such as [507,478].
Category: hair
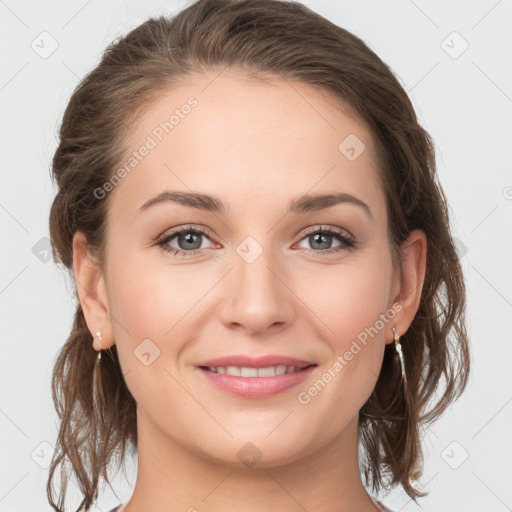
[286,40]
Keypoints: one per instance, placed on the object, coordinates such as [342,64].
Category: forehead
[235,136]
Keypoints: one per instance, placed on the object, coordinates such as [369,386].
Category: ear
[409,282]
[90,284]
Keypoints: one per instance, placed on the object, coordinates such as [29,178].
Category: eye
[320,239]
[188,239]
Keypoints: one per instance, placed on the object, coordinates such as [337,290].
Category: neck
[171,477]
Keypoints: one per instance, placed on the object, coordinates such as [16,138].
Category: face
[191,280]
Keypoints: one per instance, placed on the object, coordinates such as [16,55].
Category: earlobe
[91,291]
[413,258]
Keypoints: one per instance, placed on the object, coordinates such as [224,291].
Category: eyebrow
[303,204]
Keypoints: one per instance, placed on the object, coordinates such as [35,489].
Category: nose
[257,297]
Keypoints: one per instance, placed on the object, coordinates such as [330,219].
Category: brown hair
[288,40]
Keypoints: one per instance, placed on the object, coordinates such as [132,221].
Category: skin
[256,146]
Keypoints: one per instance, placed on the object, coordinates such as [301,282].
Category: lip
[257,362]
[256,387]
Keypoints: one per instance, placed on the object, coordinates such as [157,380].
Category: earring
[99,336]
[398,348]
[96,377]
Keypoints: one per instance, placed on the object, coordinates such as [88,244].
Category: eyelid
[185,227]
[326,229]
[204,230]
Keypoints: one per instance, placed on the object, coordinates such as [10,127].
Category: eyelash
[349,242]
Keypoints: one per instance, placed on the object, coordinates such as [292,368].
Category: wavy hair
[287,40]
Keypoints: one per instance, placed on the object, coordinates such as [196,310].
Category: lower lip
[256,387]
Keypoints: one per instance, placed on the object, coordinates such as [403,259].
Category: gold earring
[398,348]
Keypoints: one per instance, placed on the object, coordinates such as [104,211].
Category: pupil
[317,238]
[190,238]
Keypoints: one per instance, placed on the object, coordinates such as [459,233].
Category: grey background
[463,98]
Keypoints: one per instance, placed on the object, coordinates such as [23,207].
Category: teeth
[248,372]
[281,369]
[243,371]
[233,370]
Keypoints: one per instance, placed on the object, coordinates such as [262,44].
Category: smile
[255,383]
[244,371]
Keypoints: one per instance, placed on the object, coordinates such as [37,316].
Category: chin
[258,451]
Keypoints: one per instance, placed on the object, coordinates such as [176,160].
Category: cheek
[149,296]
[349,298]
[156,311]
[352,306]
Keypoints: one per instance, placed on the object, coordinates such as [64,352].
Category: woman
[265,273]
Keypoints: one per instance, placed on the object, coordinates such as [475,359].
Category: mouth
[251,372]
[256,382]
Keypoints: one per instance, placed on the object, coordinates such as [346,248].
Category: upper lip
[256,362]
